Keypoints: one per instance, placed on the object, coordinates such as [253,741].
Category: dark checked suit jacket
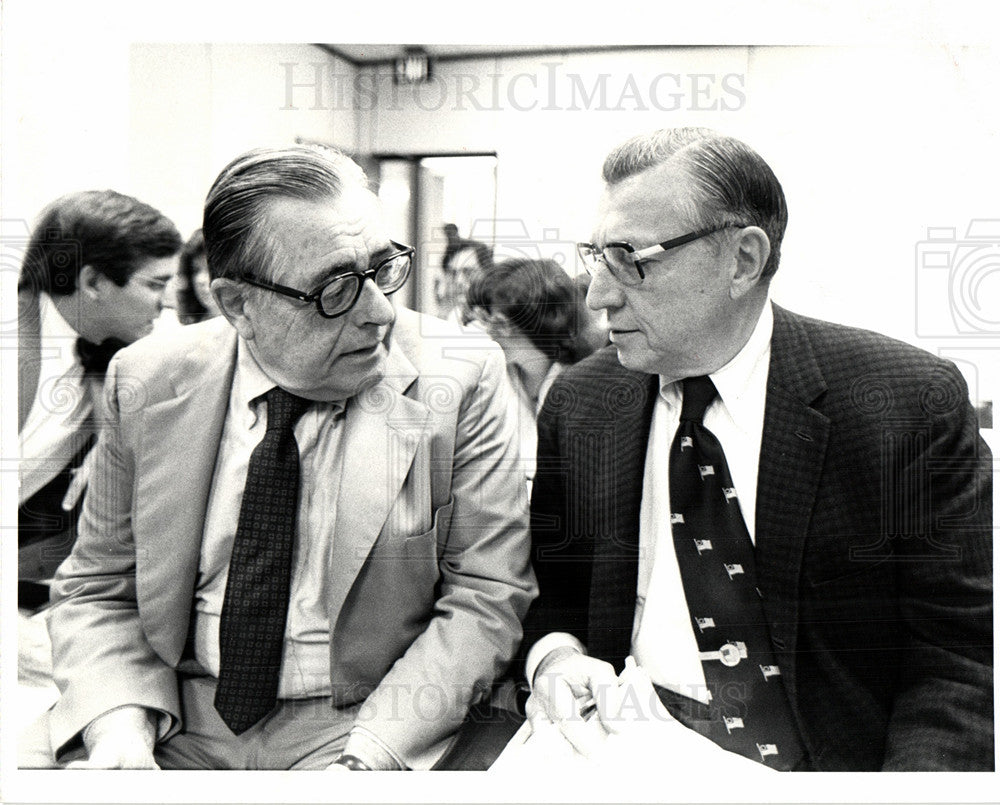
[873,539]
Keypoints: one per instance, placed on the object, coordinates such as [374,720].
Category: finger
[587,737]
[73,491]
[609,707]
[601,688]
[536,714]
[563,703]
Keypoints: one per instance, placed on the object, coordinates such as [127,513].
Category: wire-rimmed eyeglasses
[622,258]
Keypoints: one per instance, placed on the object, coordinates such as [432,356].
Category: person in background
[305,545]
[787,523]
[194,296]
[531,309]
[91,281]
[461,259]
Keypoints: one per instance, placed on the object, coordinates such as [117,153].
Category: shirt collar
[53,324]
[249,381]
[250,384]
[547,381]
[734,380]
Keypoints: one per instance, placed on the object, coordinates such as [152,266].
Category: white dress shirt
[51,435]
[305,668]
[663,640]
[526,410]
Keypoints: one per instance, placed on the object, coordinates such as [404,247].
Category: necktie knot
[698,393]
[95,357]
[284,408]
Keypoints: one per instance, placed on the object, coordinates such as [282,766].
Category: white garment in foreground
[641,736]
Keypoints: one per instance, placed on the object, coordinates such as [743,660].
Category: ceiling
[381,54]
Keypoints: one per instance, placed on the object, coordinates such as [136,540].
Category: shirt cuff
[129,717]
[372,750]
[549,643]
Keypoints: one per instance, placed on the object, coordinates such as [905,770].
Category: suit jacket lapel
[613,500]
[792,452]
[382,432]
[176,461]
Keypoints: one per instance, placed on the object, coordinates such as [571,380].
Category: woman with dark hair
[532,309]
[194,299]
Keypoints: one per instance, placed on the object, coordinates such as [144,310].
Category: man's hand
[363,753]
[120,739]
[78,483]
[566,687]
[633,730]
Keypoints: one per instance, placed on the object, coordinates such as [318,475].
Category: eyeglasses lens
[339,295]
[392,274]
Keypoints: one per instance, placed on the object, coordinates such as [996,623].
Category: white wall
[194,107]
[157,121]
[874,145]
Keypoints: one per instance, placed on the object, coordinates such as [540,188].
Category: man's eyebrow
[338,269]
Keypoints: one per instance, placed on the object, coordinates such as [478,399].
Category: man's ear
[231,296]
[90,282]
[752,250]
[499,324]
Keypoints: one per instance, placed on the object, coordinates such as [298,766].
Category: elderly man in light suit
[405,574]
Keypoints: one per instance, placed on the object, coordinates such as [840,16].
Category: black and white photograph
[597,402]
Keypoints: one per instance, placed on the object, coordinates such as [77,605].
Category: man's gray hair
[732,182]
[237,236]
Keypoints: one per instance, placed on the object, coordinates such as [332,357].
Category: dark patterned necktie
[749,712]
[95,357]
[252,626]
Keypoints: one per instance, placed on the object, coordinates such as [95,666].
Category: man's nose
[373,306]
[604,291]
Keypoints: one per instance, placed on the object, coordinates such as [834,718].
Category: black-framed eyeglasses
[622,258]
[339,294]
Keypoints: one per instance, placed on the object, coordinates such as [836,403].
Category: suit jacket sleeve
[942,715]
[101,657]
[486,584]
[561,554]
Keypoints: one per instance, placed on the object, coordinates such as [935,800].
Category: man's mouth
[362,351]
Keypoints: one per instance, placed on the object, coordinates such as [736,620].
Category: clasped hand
[619,721]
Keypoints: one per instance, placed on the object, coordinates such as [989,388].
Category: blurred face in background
[200,282]
[127,312]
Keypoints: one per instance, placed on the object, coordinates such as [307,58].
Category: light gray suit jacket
[429,574]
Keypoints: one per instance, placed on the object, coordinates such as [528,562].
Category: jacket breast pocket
[416,550]
[852,572]
[404,571]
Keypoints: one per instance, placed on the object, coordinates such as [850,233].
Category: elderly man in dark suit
[785,522]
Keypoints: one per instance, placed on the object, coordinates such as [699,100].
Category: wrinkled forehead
[652,203]
[313,239]
[353,219]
